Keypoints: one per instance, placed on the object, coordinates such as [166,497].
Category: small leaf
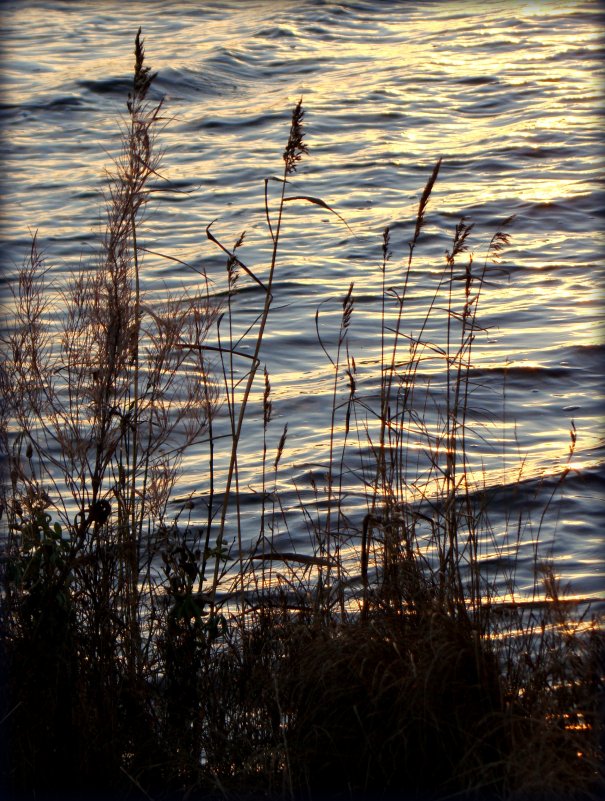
[317,201]
[320,561]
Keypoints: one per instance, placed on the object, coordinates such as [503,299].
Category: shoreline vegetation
[148,657]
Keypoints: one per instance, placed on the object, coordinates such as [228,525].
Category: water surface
[507,93]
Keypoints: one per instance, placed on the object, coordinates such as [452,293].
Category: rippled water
[507,93]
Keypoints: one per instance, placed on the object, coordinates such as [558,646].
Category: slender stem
[248,388]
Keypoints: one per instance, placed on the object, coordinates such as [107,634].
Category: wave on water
[507,99]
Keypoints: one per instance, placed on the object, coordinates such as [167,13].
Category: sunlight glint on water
[509,95]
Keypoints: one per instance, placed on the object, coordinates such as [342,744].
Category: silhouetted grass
[146,659]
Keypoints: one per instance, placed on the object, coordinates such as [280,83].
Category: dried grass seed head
[459,244]
[386,244]
[295,147]
[267,403]
[424,202]
[143,77]
[347,307]
[280,447]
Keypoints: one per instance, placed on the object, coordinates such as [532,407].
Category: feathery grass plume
[424,199]
[267,402]
[386,247]
[280,447]
[233,262]
[347,307]
[500,240]
[459,244]
[296,147]
[143,77]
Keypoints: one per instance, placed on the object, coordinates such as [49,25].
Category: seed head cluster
[295,147]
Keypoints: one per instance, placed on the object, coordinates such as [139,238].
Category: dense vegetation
[146,656]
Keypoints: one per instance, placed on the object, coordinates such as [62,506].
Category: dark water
[509,94]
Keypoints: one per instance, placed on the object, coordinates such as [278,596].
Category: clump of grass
[98,410]
[150,657]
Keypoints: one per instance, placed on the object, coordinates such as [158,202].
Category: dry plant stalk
[100,397]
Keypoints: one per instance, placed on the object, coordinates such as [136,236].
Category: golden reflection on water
[428,106]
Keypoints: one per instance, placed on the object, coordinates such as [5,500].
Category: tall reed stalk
[293,153]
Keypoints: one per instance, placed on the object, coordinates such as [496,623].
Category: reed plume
[295,148]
